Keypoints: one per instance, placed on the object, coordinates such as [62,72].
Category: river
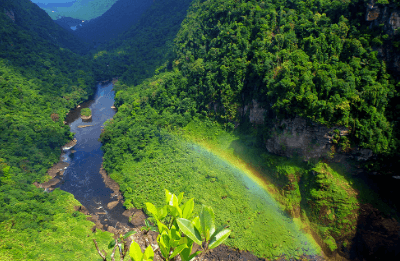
[82,178]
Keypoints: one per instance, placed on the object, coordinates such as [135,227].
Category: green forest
[185,72]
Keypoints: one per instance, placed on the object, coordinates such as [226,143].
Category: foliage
[137,255]
[40,80]
[36,225]
[175,218]
[332,202]
[147,45]
[86,112]
[308,59]
[39,83]
[34,30]
[115,21]
[141,148]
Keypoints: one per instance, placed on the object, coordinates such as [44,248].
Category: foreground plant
[178,231]
[121,243]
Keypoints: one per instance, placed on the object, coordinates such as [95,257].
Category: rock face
[386,18]
[255,112]
[10,14]
[112,204]
[138,219]
[86,118]
[299,137]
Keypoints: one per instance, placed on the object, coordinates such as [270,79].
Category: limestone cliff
[386,17]
[307,139]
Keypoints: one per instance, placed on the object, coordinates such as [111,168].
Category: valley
[280,115]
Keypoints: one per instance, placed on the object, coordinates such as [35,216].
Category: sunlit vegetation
[86,112]
[314,61]
[308,59]
[178,129]
[40,80]
[36,225]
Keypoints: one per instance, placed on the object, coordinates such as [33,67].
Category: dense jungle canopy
[186,69]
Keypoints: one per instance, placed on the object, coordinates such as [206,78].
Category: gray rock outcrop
[387,18]
[308,140]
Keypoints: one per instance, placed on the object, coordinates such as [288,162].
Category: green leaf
[161,227]
[175,234]
[163,243]
[130,233]
[135,252]
[219,238]
[175,211]
[168,196]
[188,208]
[163,212]
[177,250]
[189,230]
[196,224]
[165,240]
[111,244]
[174,201]
[149,253]
[180,197]
[152,209]
[207,222]
[185,254]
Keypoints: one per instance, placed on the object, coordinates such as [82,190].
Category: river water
[82,178]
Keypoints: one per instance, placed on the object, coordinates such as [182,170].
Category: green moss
[330,242]
[332,201]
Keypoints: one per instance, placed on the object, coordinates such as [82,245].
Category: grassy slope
[257,222]
[149,147]
[44,226]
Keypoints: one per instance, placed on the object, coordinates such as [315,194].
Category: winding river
[82,178]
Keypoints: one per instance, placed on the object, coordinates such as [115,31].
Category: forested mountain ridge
[40,81]
[115,21]
[31,53]
[148,44]
[316,63]
[36,25]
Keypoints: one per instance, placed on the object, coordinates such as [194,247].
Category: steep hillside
[120,17]
[68,22]
[40,80]
[147,45]
[273,74]
[32,26]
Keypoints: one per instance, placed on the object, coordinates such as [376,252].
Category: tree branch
[98,251]
[113,252]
